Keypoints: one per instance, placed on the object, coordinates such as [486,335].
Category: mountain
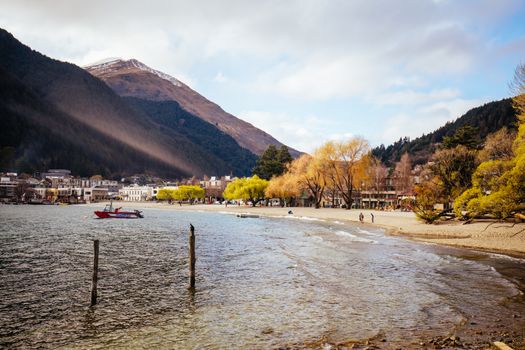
[132,78]
[55,114]
[488,118]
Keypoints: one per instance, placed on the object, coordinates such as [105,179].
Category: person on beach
[361,217]
[372,215]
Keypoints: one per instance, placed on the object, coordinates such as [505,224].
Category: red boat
[110,213]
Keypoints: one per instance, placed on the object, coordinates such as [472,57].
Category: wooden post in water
[95,273]
[192,257]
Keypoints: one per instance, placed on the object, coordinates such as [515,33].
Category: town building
[7,188]
[136,193]
[215,186]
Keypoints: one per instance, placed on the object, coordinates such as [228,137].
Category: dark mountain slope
[92,107]
[210,139]
[36,136]
[134,79]
[487,119]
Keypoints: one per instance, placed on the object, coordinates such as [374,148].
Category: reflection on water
[261,283]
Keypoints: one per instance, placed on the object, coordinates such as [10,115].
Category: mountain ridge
[132,78]
[488,118]
[86,104]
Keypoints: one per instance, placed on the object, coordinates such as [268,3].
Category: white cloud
[425,119]
[220,77]
[400,58]
[334,48]
[304,134]
[412,97]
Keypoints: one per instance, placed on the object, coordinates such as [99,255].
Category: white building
[136,193]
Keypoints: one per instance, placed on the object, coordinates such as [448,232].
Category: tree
[376,177]
[23,191]
[346,165]
[249,189]
[499,185]
[188,193]
[165,194]
[454,168]
[283,187]
[284,157]
[403,182]
[428,194]
[309,173]
[272,162]
[498,146]
[466,135]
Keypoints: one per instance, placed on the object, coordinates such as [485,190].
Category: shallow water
[261,283]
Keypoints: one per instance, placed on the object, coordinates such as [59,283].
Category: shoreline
[494,237]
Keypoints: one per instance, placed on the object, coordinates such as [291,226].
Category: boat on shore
[109,213]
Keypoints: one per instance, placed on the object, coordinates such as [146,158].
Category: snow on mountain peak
[113,64]
[104,61]
[160,74]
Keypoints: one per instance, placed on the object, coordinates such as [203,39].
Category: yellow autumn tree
[499,184]
[249,189]
[188,193]
[307,171]
[345,165]
[165,194]
[283,187]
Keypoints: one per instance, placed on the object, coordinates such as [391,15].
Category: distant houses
[55,186]
[60,186]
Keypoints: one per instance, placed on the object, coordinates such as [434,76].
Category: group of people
[362,217]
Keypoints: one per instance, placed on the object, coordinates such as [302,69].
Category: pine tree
[272,162]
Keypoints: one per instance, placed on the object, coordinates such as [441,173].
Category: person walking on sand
[372,215]
[361,217]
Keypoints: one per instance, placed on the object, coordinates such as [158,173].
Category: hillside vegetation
[487,119]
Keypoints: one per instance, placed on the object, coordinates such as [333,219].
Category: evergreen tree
[466,136]
[272,162]
[283,155]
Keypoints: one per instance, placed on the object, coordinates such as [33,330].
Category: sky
[304,71]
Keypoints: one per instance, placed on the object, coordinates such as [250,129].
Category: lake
[261,283]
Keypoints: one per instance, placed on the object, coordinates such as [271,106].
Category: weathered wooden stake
[95,274]
[192,257]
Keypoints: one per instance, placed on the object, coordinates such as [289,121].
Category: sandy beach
[493,236]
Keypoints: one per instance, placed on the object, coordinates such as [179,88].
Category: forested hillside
[207,137]
[486,119]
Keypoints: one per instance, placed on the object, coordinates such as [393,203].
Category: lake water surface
[261,283]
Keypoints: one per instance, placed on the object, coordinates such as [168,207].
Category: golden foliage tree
[165,194]
[249,189]
[308,173]
[499,184]
[345,165]
[188,193]
[428,194]
[283,187]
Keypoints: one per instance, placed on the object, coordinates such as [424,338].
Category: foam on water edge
[354,238]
